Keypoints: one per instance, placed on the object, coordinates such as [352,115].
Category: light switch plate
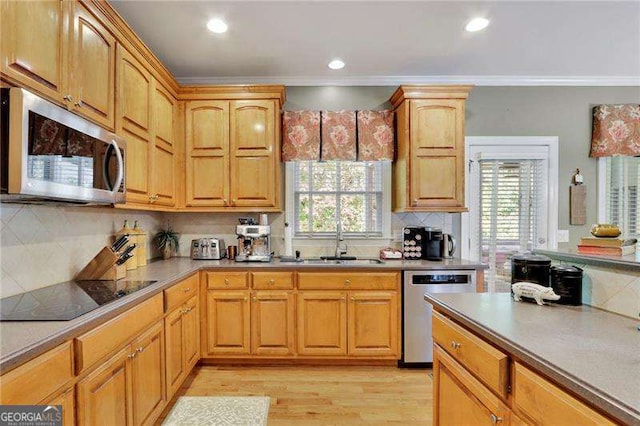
[563,235]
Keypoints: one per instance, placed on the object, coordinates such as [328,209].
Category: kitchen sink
[334,261]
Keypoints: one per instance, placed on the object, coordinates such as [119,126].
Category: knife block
[103,267]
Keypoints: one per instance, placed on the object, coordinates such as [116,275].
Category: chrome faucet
[339,251]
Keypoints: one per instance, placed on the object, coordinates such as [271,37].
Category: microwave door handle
[120,176]
[106,176]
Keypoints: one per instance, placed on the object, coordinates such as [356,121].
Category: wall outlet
[563,235]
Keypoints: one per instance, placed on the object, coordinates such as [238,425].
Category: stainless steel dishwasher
[417,346]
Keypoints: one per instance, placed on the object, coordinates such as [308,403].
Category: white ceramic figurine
[534,291]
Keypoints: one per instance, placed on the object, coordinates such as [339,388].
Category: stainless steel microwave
[51,154]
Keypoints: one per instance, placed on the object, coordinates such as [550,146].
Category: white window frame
[385,206]
[601,170]
[551,142]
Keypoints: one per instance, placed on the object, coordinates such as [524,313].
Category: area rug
[219,410]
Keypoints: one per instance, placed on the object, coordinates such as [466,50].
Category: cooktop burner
[65,301]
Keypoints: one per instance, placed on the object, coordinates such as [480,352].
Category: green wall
[507,111]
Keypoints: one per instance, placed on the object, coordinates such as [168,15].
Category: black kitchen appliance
[533,268]
[432,243]
[566,282]
[65,301]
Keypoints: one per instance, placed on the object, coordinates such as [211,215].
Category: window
[319,194]
[619,180]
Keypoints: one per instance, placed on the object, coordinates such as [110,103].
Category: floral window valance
[616,130]
[338,135]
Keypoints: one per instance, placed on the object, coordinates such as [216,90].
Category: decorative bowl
[605,230]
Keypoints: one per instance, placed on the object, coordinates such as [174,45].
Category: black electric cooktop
[65,301]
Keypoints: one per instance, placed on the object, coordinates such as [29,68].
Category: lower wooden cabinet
[272,323]
[68,402]
[182,336]
[373,319]
[460,399]
[228,323]
[127,389]
[322,323]
[355,323]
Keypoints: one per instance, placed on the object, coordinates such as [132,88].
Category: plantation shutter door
[512,213]
[622,183]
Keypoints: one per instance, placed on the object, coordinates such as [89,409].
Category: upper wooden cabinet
[232,144]
[64,52]
[32,55]
[92,63]
[146,119]
[429,171]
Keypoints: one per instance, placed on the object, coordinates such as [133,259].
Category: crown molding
[487,80]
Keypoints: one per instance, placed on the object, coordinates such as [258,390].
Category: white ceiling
[391,42]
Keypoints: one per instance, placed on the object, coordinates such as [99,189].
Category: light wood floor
[302,395]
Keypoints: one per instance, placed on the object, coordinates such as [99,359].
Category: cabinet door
[272,323]
[174,329]
[68,403]
[373,323]
[437,153]
[207,150]
[147,375]
[134,123]
[191,333]
[93,59]
[253,181]
[322,323]
[228,330]
[460,399]
[32,45]
[164,107]
[103,394]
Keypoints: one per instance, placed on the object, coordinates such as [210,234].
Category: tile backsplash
[42,245]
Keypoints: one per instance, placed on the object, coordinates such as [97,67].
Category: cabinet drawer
[95,344]
[348,280]
[272,280]
[543,402]
[32,382]
[227,280]
[180,292]
[481,359]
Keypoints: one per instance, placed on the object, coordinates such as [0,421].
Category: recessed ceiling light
[336,64]
[217,26]
[477,24]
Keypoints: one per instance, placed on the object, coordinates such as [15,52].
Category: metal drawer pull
[140,349]
[132,356]
[347,282]
[187,290]
[455,345]
[226,281]
[272,281]
[495,419]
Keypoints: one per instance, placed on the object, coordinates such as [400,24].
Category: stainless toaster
[208,249]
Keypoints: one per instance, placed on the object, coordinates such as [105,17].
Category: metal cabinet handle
[79,103]
[255,299]
[455,345]
[343,298]
[187,290]
[226,281]
[495,419]
[132,356]
[68,98]
[225,202]
[353,299]
[272,281]
[233,202]
[347,282]
[140,349]
[244,298]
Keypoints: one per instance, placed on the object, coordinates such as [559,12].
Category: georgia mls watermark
[30,415]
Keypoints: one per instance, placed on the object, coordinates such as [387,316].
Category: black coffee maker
[432,243]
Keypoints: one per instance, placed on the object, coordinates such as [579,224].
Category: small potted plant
[167,241]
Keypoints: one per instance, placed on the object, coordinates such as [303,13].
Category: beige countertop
[594,353]
[21,341]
